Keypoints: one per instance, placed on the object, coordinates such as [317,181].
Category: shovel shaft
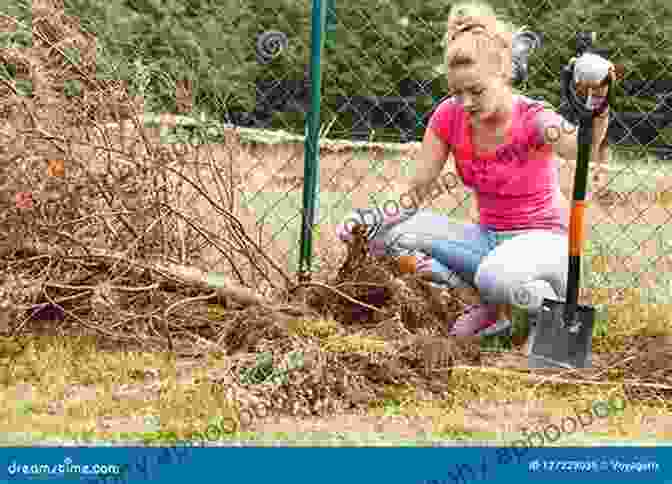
[585,141]
[572,287]
[576,233]
[577,224]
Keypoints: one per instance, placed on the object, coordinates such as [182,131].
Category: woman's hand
[377,222]
[598,91]
[564,141]
[600,151]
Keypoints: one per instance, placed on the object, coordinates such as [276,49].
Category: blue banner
[445,465]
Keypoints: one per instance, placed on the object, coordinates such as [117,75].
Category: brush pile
[106,234]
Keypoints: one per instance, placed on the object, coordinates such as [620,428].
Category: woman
[505,147]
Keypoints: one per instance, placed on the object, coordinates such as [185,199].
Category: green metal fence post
[312,150]
[330,23]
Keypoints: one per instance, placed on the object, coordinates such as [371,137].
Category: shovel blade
[553,343]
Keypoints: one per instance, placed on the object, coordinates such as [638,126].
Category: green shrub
[373,46]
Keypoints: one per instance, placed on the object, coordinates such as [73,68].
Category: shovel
[563,333]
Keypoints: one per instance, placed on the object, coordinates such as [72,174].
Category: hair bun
[464,24]
[471,26]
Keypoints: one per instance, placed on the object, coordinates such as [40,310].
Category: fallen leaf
[47,312]
[56,168]
[24,200]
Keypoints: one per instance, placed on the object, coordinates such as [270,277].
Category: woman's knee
[459,255]
[495,282]
[507,268]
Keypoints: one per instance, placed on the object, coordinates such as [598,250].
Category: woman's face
[481,95]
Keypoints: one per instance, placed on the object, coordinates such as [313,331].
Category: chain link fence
[371,135]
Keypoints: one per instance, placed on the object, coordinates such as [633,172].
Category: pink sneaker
[475,319]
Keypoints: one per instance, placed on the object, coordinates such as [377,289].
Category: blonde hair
[477,36]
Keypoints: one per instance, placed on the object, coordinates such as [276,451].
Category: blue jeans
[466,251]
[496,263]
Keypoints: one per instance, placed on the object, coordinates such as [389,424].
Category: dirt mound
[305,366]
[373,330]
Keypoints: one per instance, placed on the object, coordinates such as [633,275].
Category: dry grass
[72,388]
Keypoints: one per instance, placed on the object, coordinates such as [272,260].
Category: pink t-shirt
[517,187]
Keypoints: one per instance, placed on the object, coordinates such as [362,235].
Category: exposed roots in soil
[422,307]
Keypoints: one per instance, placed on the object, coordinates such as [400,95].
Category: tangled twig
[343,295]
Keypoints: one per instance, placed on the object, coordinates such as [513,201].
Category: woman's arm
[433,156]
[564,140]
[564,137]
